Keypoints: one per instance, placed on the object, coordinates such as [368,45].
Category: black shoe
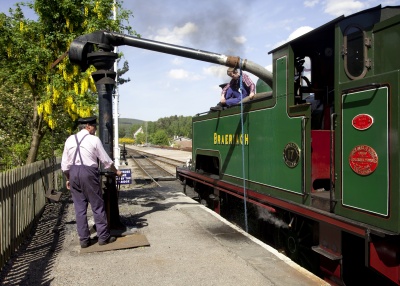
[85,244]
[216,108]
[111,239]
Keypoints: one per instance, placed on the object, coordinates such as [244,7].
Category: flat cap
[88,120]
[222,85]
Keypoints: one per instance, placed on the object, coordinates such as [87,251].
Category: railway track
[147,166]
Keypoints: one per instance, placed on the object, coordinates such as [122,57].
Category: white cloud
[297,33]
[176,35]
[177,61]
[240,40]
[216,71]
[269,67]
[310,3]
[343,7]
[181,74]
[178,74]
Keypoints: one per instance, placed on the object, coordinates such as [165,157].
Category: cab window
[354,52]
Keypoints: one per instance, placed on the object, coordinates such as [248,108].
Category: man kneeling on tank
[231,94]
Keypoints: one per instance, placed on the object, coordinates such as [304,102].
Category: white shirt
[91,149]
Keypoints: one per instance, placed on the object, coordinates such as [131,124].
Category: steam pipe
[79,50]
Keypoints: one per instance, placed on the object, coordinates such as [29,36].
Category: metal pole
[116,103]
[146,132]
[105,91]
[105,118]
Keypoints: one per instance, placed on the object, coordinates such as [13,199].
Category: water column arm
[196,54]
[85,44]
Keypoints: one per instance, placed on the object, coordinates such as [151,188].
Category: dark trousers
[234,97]
[85,189]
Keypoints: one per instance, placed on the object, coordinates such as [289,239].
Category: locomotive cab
[311,59]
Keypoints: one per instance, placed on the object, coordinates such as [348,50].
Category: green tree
[140,138]
[160,138]
[14,132]
[151,127]
[57,96]
[185,126]
[122,132]
[175,125]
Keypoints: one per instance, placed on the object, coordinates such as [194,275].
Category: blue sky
[163,85]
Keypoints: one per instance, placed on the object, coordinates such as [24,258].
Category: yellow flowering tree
[34,58]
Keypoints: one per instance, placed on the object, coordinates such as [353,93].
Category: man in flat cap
[79,164]
[231,93]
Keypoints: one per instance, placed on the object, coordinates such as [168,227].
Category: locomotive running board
[326,253]
[330,247]
[330,242]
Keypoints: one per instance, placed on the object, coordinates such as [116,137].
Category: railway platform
[188,244]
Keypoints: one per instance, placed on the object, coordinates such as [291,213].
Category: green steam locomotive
[318,147]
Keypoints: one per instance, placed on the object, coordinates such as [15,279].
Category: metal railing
[22,201]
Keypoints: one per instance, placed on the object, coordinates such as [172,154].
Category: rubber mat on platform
[129,241]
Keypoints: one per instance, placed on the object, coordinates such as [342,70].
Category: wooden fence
[22,201]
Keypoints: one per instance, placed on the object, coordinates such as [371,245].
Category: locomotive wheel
[296,240]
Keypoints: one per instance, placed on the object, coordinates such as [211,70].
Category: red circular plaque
[363,160]
[362,121]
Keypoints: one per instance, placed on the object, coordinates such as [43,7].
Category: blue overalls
[233,95]
[86,188]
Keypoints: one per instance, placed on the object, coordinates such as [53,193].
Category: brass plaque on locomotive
[291,154]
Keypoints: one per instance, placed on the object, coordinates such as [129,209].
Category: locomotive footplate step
[129,241]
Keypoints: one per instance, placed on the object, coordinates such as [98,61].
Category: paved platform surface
[189,245]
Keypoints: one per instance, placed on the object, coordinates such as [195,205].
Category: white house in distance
[140,130]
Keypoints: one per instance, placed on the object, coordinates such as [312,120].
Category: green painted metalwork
[261,86]
[286,118]
[367,192]
[267,132]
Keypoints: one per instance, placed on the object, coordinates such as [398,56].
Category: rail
[22,201]
[150,168]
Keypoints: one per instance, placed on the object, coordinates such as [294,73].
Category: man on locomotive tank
[231,94]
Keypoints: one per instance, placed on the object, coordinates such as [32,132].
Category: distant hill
[126,122]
